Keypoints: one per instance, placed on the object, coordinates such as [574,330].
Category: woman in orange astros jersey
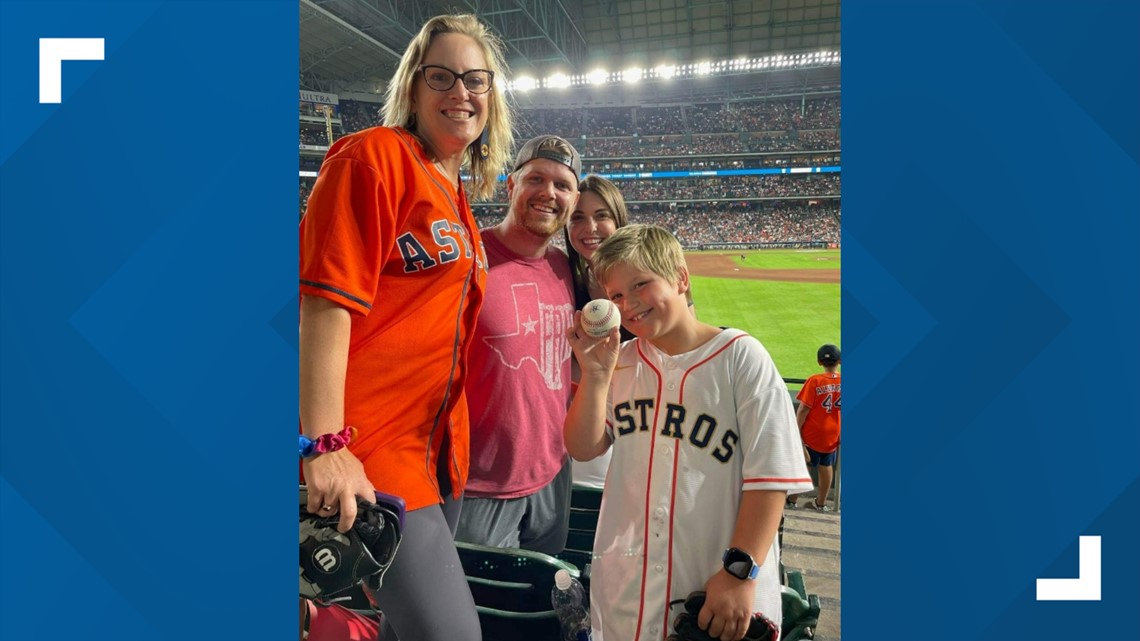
[391,280]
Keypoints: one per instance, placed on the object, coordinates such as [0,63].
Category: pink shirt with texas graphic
[518,386]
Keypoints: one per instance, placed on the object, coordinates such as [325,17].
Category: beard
[543,226]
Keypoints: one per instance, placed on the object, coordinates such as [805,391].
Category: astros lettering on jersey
[690,433]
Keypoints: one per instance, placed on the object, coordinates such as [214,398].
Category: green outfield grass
[785,258]
[791,319]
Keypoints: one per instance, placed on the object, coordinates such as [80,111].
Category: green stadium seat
[578,559]
[511,588]
[800,609]
[580,540]
[585,505]
[583,519]
[586,498]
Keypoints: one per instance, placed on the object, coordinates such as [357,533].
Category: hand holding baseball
[596,354]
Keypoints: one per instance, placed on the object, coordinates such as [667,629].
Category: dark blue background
[990,297]
[991,200]
[148,239]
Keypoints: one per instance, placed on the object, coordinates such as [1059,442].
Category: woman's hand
[334,480]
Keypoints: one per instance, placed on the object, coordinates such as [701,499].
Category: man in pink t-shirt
[518,385]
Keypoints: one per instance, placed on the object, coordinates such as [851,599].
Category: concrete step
[812,547]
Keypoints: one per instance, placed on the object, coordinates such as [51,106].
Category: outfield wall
[815,244]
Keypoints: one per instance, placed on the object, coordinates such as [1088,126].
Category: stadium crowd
[314,136]
[718,188]
[773,114]
[792,159]
[759,133]
[697,224]
[676,145]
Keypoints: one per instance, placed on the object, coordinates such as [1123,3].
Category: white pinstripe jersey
[690,433]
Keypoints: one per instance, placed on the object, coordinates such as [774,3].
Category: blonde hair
[484,173]
[643,247]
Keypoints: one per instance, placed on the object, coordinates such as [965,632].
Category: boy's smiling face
[651,306]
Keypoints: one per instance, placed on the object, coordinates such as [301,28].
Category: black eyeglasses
[443,79]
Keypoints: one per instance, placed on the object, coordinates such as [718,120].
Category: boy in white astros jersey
[705,450]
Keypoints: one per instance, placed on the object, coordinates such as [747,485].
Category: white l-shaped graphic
[1086,587]
[53,51]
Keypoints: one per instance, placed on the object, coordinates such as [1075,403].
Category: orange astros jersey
[821,393]
[388,237]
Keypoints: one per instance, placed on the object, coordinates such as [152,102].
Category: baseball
[599,316]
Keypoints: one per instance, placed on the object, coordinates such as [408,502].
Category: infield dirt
[723,266]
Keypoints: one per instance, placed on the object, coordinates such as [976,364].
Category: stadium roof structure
[354,45]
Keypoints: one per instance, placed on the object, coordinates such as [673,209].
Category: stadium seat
[580,541]
[800,610]
[512,589]
[586,498]
[583,519]
[585,505]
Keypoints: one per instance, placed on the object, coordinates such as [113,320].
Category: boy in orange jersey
[819,419]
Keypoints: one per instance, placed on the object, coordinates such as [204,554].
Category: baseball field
[787,298]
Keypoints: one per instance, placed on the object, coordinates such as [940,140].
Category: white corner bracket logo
[1086,587]
[53,51]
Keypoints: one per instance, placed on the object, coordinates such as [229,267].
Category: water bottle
[569,600]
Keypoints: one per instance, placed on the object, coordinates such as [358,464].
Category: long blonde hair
[484,173]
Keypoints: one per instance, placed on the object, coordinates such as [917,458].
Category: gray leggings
[425,595]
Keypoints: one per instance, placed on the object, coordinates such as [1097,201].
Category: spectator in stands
[819,419]
[600,212]
[519,491]
[392,280]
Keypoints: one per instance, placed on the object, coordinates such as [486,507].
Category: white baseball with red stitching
[599,316]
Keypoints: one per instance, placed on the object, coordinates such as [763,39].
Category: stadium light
[600,76]
[523,83]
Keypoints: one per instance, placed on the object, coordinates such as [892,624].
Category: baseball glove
[685,627]
[333,563]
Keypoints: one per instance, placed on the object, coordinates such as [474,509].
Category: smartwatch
[739,564]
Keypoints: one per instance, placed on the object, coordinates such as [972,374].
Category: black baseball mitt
[685,627]
[333,563]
